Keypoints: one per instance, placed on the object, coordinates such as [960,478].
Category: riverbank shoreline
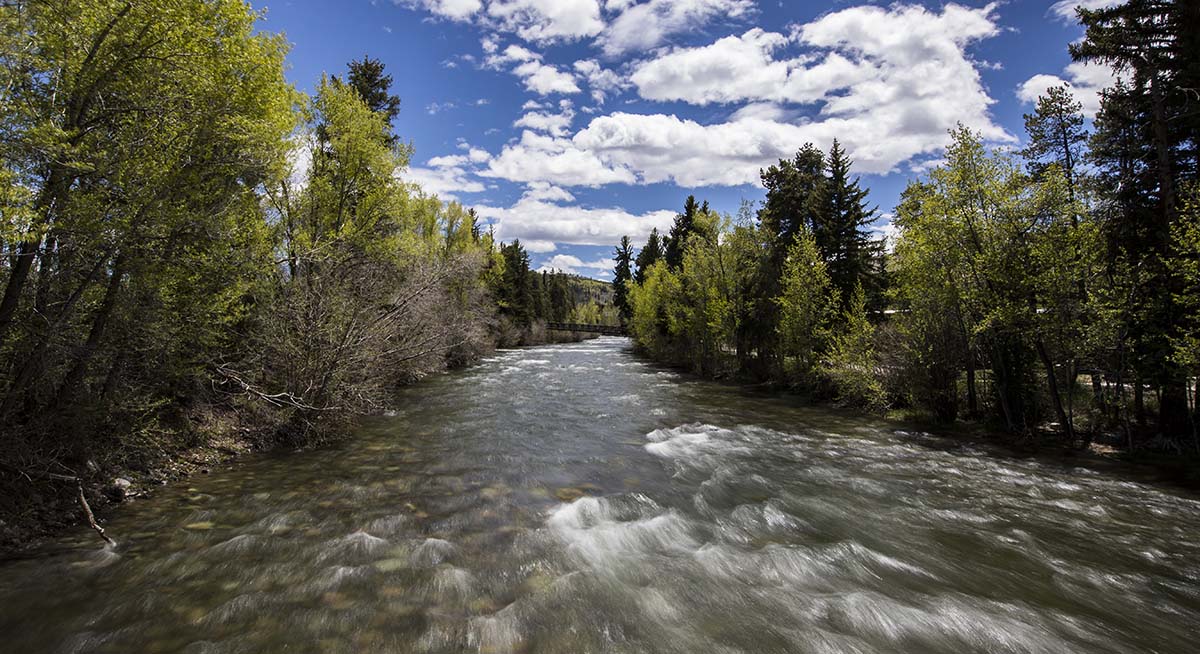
[41,507]
[1143,466]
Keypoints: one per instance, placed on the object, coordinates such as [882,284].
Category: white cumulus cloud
[547,21]
[645,25]
[452,9]
[887,82]
[1085,81]
[573,265]
[445,177]
[541,158]
[602,81]
[554,124]
[1065,9]
[538,76]
[537,220]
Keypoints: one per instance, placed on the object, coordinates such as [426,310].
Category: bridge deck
[606,330]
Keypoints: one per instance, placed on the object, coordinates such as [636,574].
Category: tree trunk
[1173,409]
[75,377]
[46,261]
[32,366]
[18,275]
[1055,394]
[972,394]
[1139,401]
[51,198]
[114,375]
[1166,176]
[1098,393]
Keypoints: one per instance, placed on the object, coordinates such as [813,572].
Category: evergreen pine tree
[1155,44]
[374,87]
[622,275]
[685,225]
[846,245]
[650,253]
[1056,136]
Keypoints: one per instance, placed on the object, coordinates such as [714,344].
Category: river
[574,499]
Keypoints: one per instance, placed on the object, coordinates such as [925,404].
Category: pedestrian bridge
[606,330]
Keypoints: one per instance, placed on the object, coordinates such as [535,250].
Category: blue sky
[567,123]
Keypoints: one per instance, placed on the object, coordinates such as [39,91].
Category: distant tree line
[1055,288]
[528,299]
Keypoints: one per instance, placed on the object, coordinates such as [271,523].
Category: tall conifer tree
[622,277]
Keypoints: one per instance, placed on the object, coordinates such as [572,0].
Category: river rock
[569,494]
[118,490]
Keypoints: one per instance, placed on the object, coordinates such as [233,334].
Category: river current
[573,498]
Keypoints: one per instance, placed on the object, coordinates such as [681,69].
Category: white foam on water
[607,534]
[689,441]
[495,633]
[432,552]
[950,623]
[453,584]
[236,545]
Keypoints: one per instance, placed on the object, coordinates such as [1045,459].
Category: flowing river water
[574,499]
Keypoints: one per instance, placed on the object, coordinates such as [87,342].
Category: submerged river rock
[576,499]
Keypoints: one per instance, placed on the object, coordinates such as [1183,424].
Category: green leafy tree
[796,197]
[807,306]
[1057,136]
[653,323]
[705,312]
[936,339]
[516,292]
[852,361]
[144,131]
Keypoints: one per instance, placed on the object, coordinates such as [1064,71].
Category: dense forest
[1053,289]
[193,248]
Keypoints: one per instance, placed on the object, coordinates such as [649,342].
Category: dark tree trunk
[1055,393]
[1139,401]
[51,199]
[1173,409]
[75,377]
[972,393]
[18,275]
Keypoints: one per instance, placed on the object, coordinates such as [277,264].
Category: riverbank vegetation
[1050,289]
[195,251]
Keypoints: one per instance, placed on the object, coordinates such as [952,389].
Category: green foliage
[162,254]
[854,257]
[681,232]
[1187,269]
[1002,286]
[807,306]
[655,320]
[648,256]
[623,277]
[373,85]
[705,314]
[852,362]
[143,133]
[527,299]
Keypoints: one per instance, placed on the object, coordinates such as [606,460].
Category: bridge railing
[608,330]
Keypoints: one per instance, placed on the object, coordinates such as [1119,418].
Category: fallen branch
[281,400]
[87,511]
